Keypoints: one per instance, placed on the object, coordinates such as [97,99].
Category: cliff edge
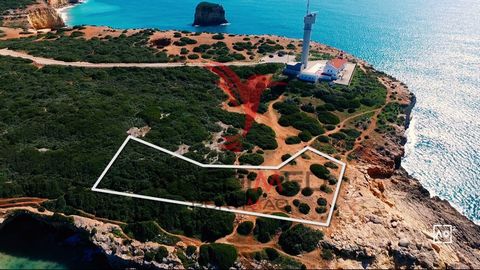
[45,17]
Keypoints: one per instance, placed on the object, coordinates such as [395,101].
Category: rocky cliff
[386,218]
[104,235]
[45,17]
[208,14]
[62,3]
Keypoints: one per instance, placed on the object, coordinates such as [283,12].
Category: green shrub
[332,180]
[220,255]
[161,253]
[238,56]
[77,34]
[218,37]
[253,194]
[305,136]
[307,191]
[339,136]
[245,228]
[191,250]
[299,239]
[320,171]
[187,40]
[330,127]
[351,132]
[143,231]
[272,253]
[242,171]
[304,208]
[286,108]
[328,118]
[322,201]
[292,140]
[149,256]
[193,56]
[327,254]
[252,176]
[275,179]
[326,188]
[288,188]
[267,227]
[321,209]
[308,108]
[252,159]
[288,208]
[331,165]
[179,43]
[302,122]
[286,157]
[263,136]
[323,139]
[240,198]
[296,202]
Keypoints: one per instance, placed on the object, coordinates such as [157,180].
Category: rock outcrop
[45,17]
[62,3]
[386,217]
[209,14]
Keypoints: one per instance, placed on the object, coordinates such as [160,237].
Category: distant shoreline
[63,11]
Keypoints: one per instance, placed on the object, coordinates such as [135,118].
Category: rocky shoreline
[385,217]
[106,236]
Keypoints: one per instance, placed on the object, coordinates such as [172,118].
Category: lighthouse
[301,70]
[308,20]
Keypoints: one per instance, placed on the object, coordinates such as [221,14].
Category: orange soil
[23,201]
[12,33]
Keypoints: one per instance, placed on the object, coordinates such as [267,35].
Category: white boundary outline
[227,209]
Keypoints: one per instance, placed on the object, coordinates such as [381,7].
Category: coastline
[441,211]
[63,12]
[409,132]
[417,155]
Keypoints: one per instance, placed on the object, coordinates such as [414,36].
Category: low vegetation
[320,171]
[299,239]
[150,231]
[128,49]
[222,256]
[288,188]
[6,5]
[277,259]
[245,228]
[265,228]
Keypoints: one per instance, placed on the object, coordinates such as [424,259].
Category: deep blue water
[432,45]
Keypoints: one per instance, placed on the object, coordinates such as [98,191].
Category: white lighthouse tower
[308,20]
[301,69]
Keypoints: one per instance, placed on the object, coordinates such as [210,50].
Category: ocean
[431,45]
[18,262]
[28,243]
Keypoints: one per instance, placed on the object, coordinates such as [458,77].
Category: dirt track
[48,61]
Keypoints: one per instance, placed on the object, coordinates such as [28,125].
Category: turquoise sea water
[17,262]
[432,45]
[30,243]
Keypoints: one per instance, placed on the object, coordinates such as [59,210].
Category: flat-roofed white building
[312,73]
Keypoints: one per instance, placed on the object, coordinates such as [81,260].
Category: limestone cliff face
[45,17]
[208,14]
[61,3]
